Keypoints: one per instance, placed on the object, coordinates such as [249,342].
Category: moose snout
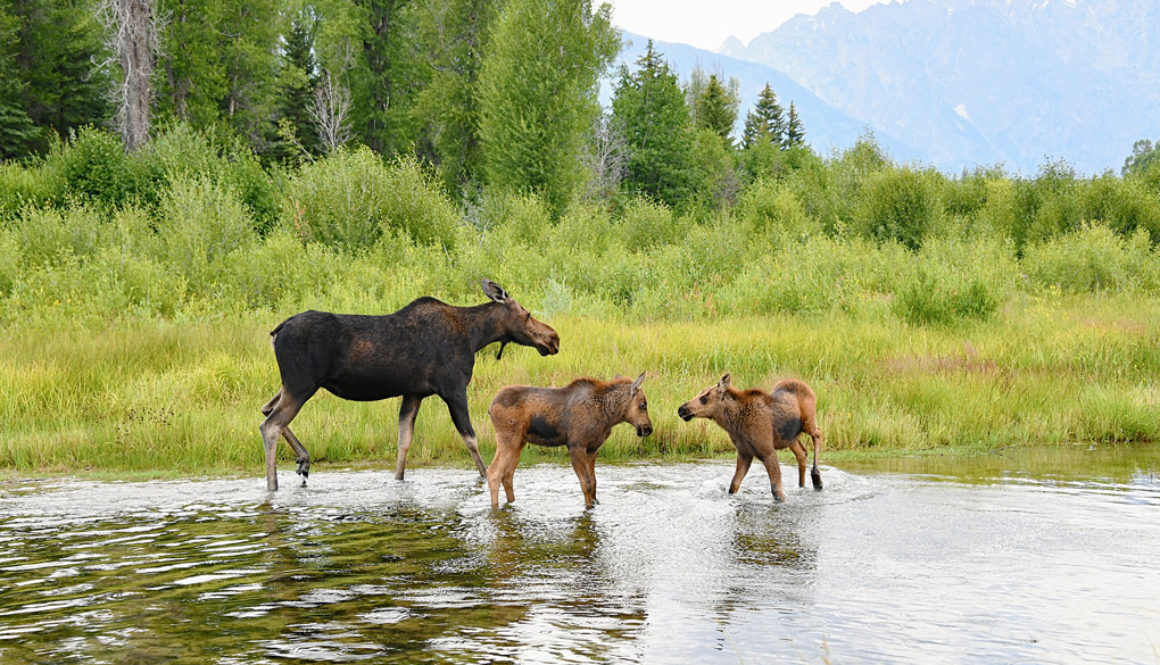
[550,347]
[643,430]
[685,413]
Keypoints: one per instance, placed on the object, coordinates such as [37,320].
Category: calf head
[636,413]
[708,403]
[518,324]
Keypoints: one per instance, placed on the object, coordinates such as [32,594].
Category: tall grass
[136,292]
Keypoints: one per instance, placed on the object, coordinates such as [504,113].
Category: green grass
[165,397]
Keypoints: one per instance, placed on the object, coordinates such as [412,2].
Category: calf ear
[723,385]
[639,380]
[494,291]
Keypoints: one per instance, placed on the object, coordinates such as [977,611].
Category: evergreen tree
[387,74]
[454,37]
[795,133]
[649,107]
[538,93]
[298,80]
[17,132]
[765,122]
[716,109]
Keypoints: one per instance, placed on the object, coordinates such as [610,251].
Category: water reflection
[669,568]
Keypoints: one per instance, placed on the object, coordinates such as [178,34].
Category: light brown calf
[579,416]
[760,424]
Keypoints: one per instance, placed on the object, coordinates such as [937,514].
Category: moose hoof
[817,478]
[303,468]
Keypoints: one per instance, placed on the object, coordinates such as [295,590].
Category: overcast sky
[706,23]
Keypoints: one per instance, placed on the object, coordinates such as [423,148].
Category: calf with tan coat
[760,424]
[579,416]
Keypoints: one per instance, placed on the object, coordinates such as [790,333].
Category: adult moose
[760,424]
[426,348]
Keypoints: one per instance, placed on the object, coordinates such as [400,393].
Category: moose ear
[494,291]
[723,385]
[639,380]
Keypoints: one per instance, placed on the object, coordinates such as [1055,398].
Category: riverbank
[184,398]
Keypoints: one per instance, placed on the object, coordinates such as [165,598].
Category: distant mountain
[826,127]
[984,81]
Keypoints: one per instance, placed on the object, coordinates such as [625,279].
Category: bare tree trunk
[135,46]
[331,112]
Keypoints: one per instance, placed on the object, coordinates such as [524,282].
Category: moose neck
[485,324]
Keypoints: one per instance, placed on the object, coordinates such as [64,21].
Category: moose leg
[592,474]
[457,405]
[407,412]
[811,428]
[773,468]
[503,466]
[743,462]
[799,452]
[273,427]
[587,482]
[302,455]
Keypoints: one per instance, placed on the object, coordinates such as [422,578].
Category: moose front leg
[407,412]
[457,405]
[743,462]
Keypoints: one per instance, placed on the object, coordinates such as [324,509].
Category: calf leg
[799,452]
[503,466]
[407,412]
[274,426]
[773,468]
[592,473]
[743,462]
[810,425]
[457,405]
[580,466]
[302,455]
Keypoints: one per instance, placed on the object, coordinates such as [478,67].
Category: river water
[1042,557]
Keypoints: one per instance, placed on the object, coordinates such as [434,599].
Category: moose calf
[580,416]
[760,424]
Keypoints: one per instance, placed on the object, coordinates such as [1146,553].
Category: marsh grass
[183,398]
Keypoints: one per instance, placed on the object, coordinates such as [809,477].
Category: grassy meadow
[928,312]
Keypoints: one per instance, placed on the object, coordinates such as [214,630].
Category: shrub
[770,207]
[1093,258]
[350,198]
[645,224]
[952,280]
[91,166]
[48,235]
[199,223]
[898,204]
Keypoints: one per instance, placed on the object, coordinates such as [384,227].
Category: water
[1013,559]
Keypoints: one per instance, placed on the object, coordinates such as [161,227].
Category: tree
[298,80]
[1144,156]
[715,108]
[765,122]
[795,133]
[658,129]
[17,132]
[454,38]
[135,45]
[387,74]
[538,93]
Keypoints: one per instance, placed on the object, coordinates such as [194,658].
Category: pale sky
[706,23]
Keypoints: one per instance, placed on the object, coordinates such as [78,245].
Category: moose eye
[528,317]
[704,400]
[643,406]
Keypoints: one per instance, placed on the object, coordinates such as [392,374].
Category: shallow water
[1009,559]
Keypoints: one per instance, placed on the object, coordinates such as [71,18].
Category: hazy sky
[706,23]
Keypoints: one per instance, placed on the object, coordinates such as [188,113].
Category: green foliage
[951,281]
[351,199]
[899,204]
[645,225]
[538,91]
[648,104]
[765,124]
[1145,155]
[1094,258]
[715,106]
[92,166]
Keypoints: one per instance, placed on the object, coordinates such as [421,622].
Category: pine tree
[17,132]
[649,107]
[765,121]
[298,80]
[716,109]
[538,93]
[795,134]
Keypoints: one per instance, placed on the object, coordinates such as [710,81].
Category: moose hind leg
[773,468]
[273,427]
[457,406]
[799,453]
[580,466]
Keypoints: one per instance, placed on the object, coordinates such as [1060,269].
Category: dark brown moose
[579,416]
[426,348]
[760,424]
